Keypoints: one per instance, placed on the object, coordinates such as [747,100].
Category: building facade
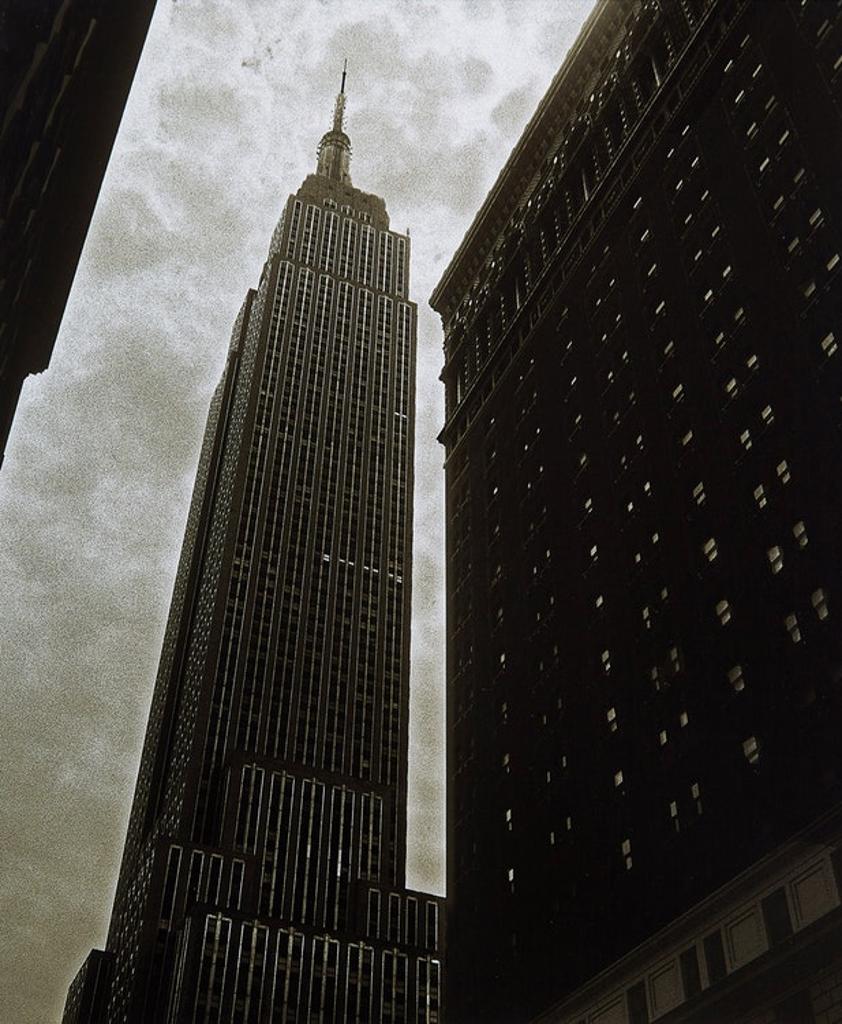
[66,67]
[263,877]
[643,466]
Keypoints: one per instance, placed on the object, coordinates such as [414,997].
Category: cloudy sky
[230,99]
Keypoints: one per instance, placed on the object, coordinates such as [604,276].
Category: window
[662,738]
[723,610]
[751,750]
[709,549]
[745,440]
[686,439]
[799,531]
[760,496]
[783,472]
[819,601]
[735,678]
[678,392]
[683,719]
[618,779]
[828,344]
[611,716]
[791,623]
[775,559]
[606,661]
[767,415]
[699,493]
[509,818]
[625,849]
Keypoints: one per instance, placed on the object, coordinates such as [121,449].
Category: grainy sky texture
[230,100]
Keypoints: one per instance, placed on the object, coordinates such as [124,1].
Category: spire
[334,150]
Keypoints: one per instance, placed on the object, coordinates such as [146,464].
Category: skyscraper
[263,877]
[66,67]
[643,385]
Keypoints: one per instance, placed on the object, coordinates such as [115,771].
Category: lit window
[618,779]
[709,549]
[760,496]
[583,459]
[568,823]
[683,719]
[588,505]
[647,488]
[809,289]
[552,838]
[751,750]
[638,558]
[594,553]
[815,217]
[662,737]
[678,392]
[674,812]
[688,437]
[699,493]
[791,623]
[819,602]
[655,538]
[752,362]
[731,387]
[509,818]
[646,617]
[735,678]
[675,659]
[625,848]
[799,531]
[776,559]
[767,415]
[606,660]
[723,610]
[695,792]
[660,307]
[828,344]
[783,472]
[511,874]
[745,439]
[599,601]
[611,716]
[506,762]
[834,259]
[502,658]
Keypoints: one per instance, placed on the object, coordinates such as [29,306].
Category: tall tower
[263,877]
[644,569]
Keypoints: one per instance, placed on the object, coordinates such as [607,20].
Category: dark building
[264,872]
[644,565]
[66,67]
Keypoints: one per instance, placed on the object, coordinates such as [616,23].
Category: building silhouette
[66,67]
[643,385]
[263,877]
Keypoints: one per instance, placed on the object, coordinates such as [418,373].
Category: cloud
[227,108]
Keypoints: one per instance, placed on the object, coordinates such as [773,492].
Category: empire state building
[263,877]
